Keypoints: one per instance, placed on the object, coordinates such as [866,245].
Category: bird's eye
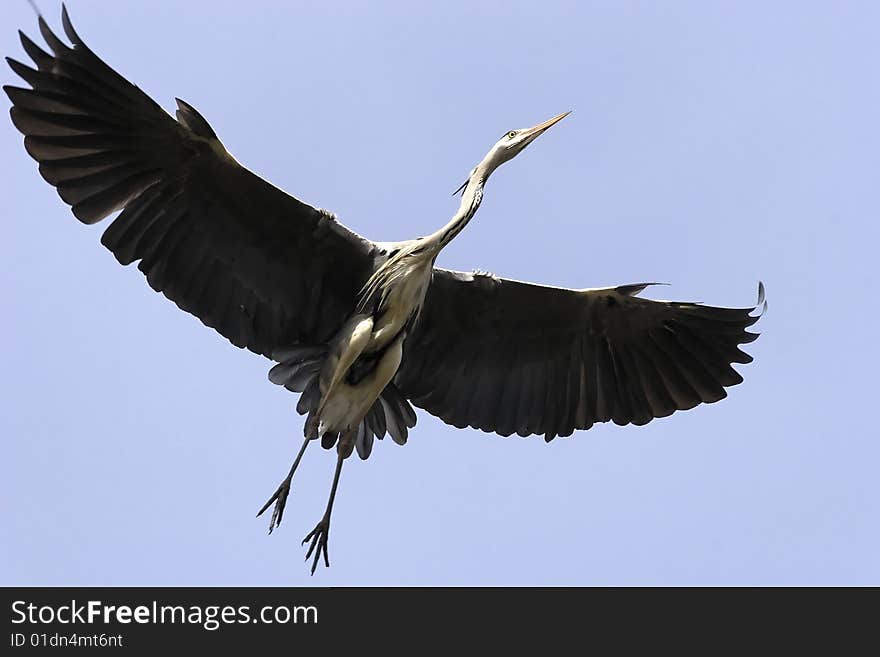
[511,134]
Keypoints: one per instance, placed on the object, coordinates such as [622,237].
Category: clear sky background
[712,144]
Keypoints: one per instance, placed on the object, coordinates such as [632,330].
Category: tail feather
[310,398]
[328,440]
[298,370]
[396,426]
[364,441]
[376,420]
[294,375]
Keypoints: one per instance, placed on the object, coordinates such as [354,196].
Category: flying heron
[360,329]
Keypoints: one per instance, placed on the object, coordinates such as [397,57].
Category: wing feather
[507,356]
[261,267]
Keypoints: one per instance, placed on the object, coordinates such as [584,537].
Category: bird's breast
[399,305]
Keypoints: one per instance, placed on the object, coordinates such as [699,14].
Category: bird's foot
[318,537]
[280,499]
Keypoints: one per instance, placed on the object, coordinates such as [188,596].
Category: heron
[362,330]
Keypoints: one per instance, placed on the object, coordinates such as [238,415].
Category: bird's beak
[533,133]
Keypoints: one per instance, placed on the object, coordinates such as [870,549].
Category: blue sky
[711,145]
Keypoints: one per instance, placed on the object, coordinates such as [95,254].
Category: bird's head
[515,141]
[509,146]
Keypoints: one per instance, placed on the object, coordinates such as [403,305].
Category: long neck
[471,198]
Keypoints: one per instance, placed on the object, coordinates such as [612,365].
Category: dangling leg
[319,535]
[280,495]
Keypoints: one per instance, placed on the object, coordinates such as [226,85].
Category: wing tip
[56,44]
[761,304]
[68,27]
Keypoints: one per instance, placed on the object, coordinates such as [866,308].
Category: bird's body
[361,363]
[360,329]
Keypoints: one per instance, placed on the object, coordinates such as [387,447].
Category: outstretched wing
[261,267]
[512,357]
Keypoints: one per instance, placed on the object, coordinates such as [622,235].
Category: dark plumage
[545,360]
[246,258]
